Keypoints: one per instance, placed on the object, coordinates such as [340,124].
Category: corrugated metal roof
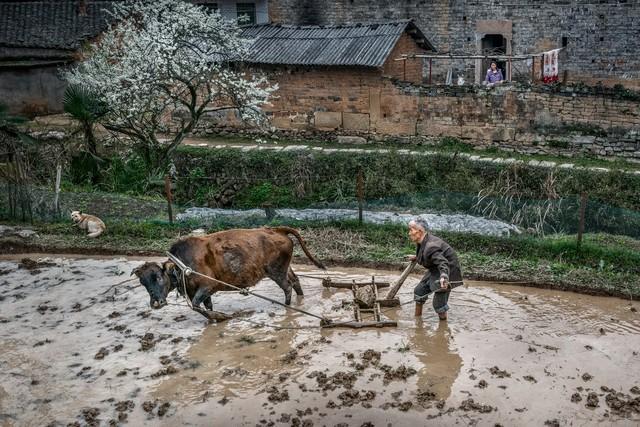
[366,45]
[50,24]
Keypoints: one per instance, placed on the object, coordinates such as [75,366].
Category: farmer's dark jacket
[439,259]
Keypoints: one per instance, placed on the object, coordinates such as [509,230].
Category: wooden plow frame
[360,306]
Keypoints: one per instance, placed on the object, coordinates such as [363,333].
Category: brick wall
[409,70]
[601,36]
[320,97]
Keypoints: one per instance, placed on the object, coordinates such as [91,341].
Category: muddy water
[521,355]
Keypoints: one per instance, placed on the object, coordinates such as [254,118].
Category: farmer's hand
[444,283]
[411,258]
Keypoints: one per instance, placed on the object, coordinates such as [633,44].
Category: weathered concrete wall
[32,91]
[601,36]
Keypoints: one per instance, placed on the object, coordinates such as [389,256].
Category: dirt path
[508,355]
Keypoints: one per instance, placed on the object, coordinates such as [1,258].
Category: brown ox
[239,257]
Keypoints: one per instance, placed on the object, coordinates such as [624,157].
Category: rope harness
[188,271]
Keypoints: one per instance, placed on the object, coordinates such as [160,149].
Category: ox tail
[289,230]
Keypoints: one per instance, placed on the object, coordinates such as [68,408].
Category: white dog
[92,224]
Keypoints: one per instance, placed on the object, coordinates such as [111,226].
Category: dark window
[565,41]
[246,13]
[494,45]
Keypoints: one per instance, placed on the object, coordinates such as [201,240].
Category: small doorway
[494,45]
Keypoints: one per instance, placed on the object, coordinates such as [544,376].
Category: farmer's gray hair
[420,222]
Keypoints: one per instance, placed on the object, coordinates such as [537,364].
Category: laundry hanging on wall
[550,70]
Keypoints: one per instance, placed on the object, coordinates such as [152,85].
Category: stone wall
[600,36]
[561,120]
[32,91]
[533,119]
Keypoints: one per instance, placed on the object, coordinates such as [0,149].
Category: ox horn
[167,265]
[135,271]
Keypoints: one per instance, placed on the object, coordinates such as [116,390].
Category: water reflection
[440,362]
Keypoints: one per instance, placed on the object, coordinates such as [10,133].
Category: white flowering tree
[161,66]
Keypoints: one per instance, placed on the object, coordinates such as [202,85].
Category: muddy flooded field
[75,352]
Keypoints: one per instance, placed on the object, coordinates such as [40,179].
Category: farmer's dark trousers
[429,286]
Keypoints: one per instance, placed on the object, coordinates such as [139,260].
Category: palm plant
[84,106]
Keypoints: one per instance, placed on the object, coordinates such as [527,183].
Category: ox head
[158,280]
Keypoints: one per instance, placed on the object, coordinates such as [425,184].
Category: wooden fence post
[583,208]
[360,194]
[56,200]
[167,192]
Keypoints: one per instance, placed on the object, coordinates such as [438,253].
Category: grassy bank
[605,264]
[302,178]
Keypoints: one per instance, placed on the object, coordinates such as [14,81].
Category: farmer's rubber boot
[419,310]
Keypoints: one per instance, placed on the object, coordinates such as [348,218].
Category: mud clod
[101,354]
[339,379]
[530,379]
[125,406]
[162,409]
[592,400]
[90,416]
[290,357]
[168,370]
[587,377]
[149,406]
[482,384]
[371,356]
[499,373]
[425,398]
[575,397]
[552,423]
[147,342]
[622,404]
[34,266]
[400,373]
[471,405]
[276,395]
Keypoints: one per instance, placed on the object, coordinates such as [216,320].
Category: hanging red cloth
[550,71]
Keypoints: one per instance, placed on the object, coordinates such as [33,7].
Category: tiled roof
[54,24]
[366,45]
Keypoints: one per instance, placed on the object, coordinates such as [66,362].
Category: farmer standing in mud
[443,268]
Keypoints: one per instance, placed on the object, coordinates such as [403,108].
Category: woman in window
[494,75]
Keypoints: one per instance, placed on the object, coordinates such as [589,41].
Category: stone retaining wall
[561,120]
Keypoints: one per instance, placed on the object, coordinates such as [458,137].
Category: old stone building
[338,77]
[600,36]
[37,40]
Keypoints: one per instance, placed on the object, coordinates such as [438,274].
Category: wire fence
[251,202]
